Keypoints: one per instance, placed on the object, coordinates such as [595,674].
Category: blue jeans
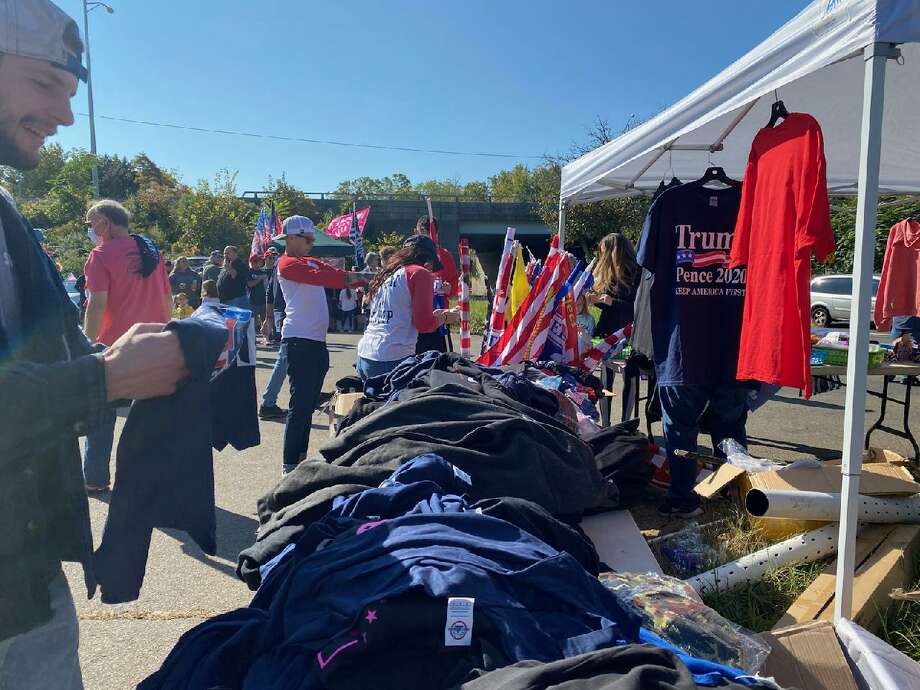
[906,324]
[682,408]
[98,452]
[46,656]
[270,396]
[368,368]
[308,362]
[348,320]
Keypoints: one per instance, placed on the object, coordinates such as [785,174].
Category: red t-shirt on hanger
[783,220]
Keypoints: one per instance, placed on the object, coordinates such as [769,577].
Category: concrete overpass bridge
[483,223]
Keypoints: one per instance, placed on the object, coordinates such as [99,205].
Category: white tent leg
[561,223]
[875,55]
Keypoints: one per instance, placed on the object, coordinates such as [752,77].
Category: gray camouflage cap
[41,30]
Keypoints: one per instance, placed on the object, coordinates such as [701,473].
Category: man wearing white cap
[306,321]
[54,387]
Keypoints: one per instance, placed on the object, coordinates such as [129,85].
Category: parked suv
[831,297]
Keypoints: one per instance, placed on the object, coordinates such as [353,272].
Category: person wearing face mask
[127,284]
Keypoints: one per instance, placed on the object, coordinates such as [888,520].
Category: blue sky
[516,77]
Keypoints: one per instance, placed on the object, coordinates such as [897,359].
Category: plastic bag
[670,608]
[690,551]
[236,321]
[737,455]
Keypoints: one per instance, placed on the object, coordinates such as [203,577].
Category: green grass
[759,606]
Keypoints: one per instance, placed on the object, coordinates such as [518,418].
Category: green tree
[586,224]
[289,200]
[116,178]
[393,185]
[476,190]
[212,216]
[517,184]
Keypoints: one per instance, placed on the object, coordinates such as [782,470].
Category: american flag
[701,259]
[611,345]
[356,239]
[262,235]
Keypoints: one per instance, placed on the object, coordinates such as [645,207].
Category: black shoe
[672,510]
[271,412]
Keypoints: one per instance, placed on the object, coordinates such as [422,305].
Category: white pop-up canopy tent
[855,66]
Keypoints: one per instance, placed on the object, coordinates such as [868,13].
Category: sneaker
[672,510]
[287,469]
[271,412]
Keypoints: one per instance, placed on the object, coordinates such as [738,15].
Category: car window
[835,286]
[875,283]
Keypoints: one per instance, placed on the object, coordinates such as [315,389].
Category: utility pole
[87,6]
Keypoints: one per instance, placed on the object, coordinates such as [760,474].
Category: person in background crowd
[447,284]
[269,408]
[53,386]
[348,305]
[127,284]
[258,279]
[184,279]
[209,292]
[616,279]
[372,262]
[585,322]
[214,267]
[80,287]
[386,253]
[168,266]
[402,297]
[182,309]
[271,327]
[303,279]
[233,283]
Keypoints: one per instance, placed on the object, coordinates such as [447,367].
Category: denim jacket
[52,391]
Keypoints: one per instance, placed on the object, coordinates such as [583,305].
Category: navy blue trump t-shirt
[696,299]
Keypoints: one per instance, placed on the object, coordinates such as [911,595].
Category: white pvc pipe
[854,417]
[562,210]
[799,549]
[817,505]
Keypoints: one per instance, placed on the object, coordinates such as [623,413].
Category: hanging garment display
[784,219]
[696,300]
[899,289]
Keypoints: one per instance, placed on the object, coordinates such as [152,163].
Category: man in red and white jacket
[303,280]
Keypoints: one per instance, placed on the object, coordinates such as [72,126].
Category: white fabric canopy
[832,61]
[815,64]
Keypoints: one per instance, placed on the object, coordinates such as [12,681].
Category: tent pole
[870,146]
[561,222]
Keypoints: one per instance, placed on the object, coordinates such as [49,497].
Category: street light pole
[87,6]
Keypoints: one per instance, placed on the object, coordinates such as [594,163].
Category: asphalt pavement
[120,645]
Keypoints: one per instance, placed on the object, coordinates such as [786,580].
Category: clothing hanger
[715,173]
[777,111]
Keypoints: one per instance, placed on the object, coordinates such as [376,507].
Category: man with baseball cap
[54,387]
[214,267]
[306,321]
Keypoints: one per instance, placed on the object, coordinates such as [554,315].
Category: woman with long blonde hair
[616,278]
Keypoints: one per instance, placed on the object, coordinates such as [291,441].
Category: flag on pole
[262,236]
[500,296]
[534,266]
[509,349]
[274,221]
[556,334]
[356,239]
[572,355]
[340,226]
[519,283]
[465,341]
[585,281]
[611,345]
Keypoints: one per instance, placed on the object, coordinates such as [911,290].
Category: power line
[304,140]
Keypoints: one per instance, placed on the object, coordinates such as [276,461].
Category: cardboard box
[339,407]
[883,474]
[808,657]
